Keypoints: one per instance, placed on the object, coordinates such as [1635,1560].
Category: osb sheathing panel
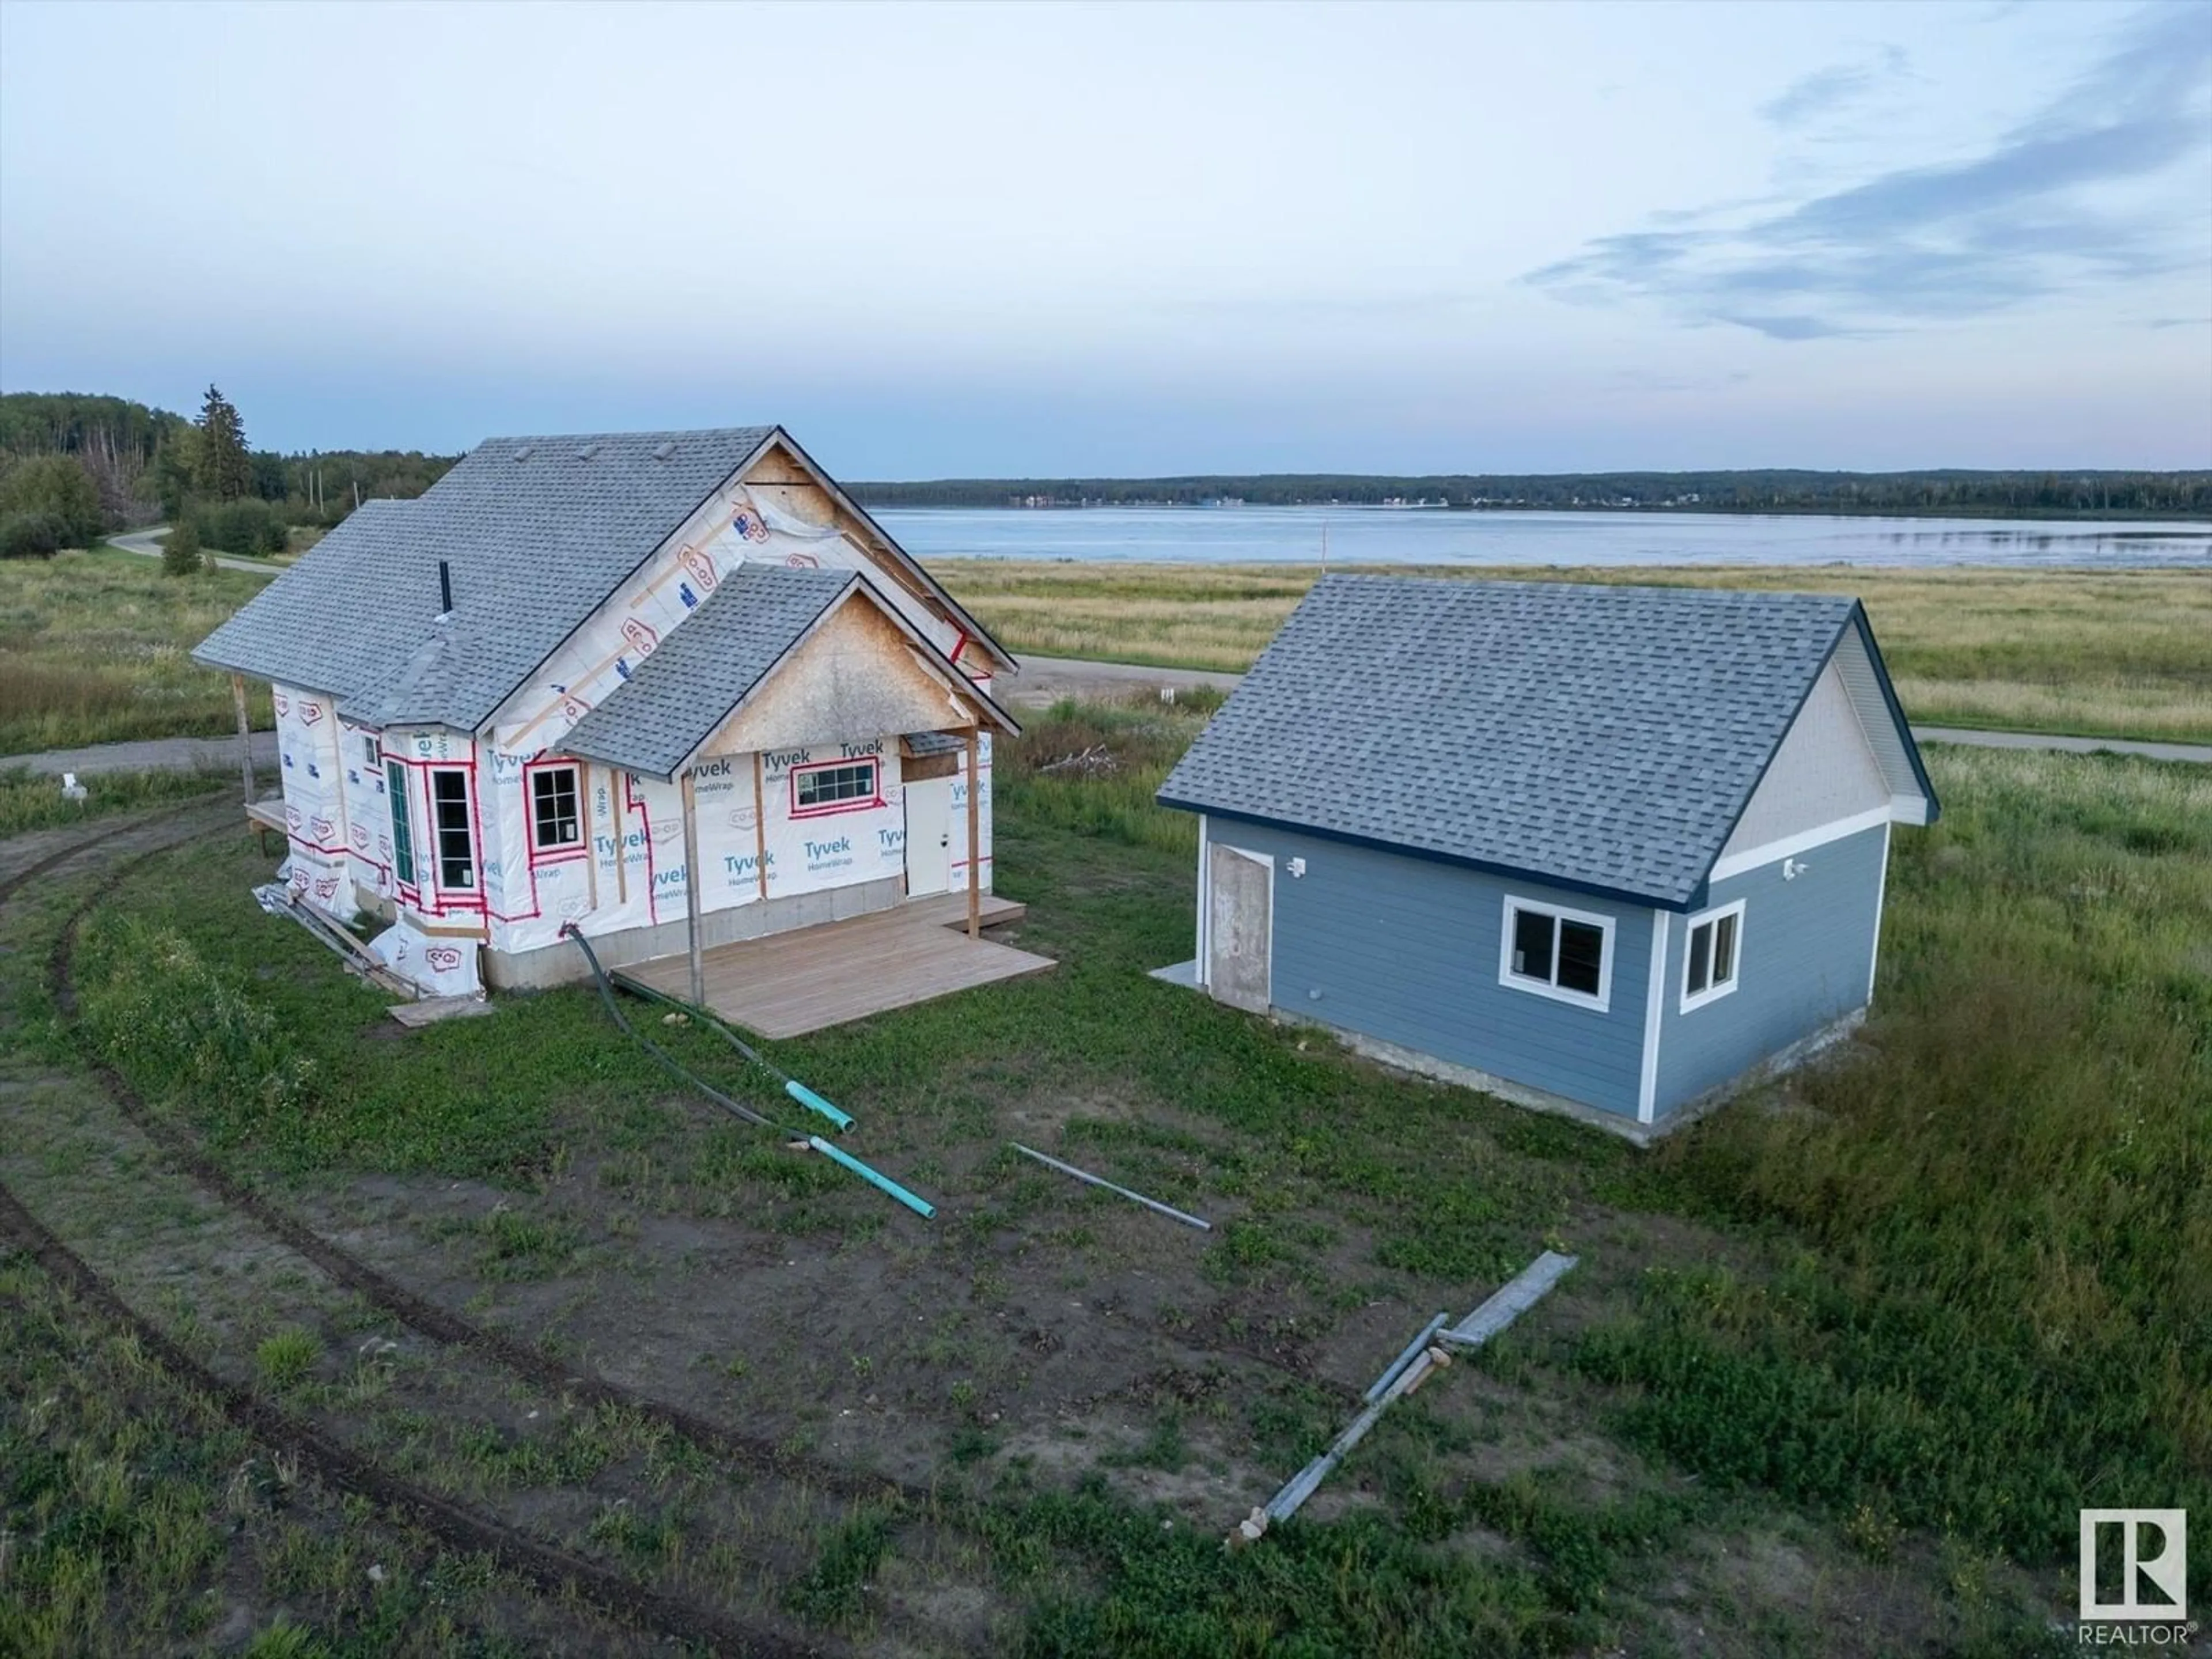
[781,482]
[856,673]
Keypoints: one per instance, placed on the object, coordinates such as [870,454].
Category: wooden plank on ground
[430,1009]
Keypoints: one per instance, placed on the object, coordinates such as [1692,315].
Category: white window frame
[1602,1002]
[1712,992]
[474,886]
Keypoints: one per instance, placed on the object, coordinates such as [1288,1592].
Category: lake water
[1372,535]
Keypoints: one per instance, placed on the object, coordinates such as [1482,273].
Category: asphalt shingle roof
[1605,737]
[677,697]
[537,533]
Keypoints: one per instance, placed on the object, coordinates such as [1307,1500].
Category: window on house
[449,822]
[826,788]
[372,749]
[555,813]
[403,842]
[1709,964]
[1557,952]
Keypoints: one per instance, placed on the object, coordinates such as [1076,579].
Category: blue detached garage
[1604,849]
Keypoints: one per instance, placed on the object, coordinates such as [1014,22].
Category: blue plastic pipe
[814,1103]
[920,1206]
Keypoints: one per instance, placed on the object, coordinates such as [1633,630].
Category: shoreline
[2183,523]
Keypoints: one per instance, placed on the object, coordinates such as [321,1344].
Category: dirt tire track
[756,1453]
[22,878]
[552,1572]
[428,1318]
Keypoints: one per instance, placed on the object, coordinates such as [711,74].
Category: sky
[1133,239]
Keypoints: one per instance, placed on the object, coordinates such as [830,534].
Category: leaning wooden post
[691,893]
[759,828]
[245,734]
[974,843]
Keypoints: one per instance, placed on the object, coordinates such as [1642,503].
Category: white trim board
[1655,1003]
[1754,858]
[1205,898]
[1880,893]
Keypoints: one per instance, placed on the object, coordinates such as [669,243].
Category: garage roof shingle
[1602,738]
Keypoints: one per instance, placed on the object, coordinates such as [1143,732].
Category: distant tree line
[74,467]
[1949,491]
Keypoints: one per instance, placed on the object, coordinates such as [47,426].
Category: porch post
[759,828]
[691,893]
[245,734]
[975,845]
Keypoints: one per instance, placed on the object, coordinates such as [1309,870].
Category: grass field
[96,643]
[2114,653]
[1838,1367]
[32,800]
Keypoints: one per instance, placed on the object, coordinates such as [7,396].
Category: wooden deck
[788,984]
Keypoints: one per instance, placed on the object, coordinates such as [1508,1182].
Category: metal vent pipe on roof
[445,589]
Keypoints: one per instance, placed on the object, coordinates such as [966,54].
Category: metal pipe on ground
[1302,1486]
[1407,1373]
[1084,1175]
[1375,1389]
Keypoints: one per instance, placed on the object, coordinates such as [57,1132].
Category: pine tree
[180,549]
[223,470]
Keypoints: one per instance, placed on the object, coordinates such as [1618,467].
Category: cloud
[1826,91]
[2027,218]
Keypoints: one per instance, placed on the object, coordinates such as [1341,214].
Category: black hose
[712,1023]
[607,996]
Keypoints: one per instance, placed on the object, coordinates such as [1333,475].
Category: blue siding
[1405,950]
[1807,954]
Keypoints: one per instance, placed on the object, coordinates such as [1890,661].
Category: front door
[1239,926]
[928,836]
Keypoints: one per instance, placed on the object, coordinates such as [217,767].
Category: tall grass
[1093,769]
[32,800]
[2114,653]
[97,647]
[154,1005]
[2008,1186]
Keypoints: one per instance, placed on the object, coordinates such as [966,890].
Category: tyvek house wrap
[443,964]
[317,867]
[631,871]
